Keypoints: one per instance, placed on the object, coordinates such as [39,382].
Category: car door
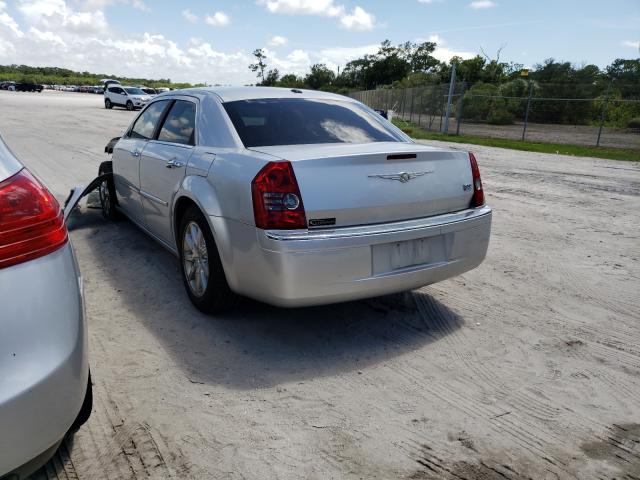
[163,164]
[126,158]
[117,95]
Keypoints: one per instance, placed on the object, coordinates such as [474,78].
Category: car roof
[231,94]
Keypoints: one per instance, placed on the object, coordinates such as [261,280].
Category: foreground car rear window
[300,121]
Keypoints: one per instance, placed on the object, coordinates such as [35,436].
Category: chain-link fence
[486,111]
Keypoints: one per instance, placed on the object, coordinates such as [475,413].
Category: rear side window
[299,121]
[146,123]
[179,125]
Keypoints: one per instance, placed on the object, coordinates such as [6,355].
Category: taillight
[277,202]
[478,194]
[31,221]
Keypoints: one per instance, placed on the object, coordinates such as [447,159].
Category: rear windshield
[300,121]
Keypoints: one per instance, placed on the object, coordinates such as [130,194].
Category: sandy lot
[527,367]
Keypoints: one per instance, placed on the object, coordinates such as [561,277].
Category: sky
[211,41]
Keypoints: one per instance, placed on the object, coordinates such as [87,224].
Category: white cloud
[480,4]
[140,5]
[48,37]
[358,19]
[218,19]
[277,41]
[190,16]
[304,7]
[8,22]
[629,43]
[70,35]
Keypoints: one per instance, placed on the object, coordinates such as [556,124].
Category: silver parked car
[294,197]
[45,386]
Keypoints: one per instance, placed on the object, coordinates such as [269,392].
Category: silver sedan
[45,390]
[293,197]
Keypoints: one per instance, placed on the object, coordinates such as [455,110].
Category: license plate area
[389,257]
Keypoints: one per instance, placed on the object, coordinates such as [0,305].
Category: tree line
[412,65]
[64,76]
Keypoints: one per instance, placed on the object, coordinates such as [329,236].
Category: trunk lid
[359,184]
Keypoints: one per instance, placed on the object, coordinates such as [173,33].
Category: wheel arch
[196,191]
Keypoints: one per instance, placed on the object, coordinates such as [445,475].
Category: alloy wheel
[195,259]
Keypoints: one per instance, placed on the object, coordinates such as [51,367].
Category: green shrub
[634,123]
[500,117]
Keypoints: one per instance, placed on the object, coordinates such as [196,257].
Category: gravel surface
[527,367]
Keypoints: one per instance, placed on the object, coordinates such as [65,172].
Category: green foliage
[291,81]
[634,123]
[271,78]
[319,76]
[500,116]
[479,101]
[260,64]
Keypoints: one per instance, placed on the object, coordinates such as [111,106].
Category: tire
[107,104]
[85,409]
[216,296]
[107,193]
[130,105]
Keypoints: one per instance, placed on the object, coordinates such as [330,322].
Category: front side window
[148,120]
[299,121]
[180,124]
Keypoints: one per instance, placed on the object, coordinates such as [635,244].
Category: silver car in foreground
[294,197]
[45,387]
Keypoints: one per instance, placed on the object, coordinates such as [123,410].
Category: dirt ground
[586,135]
[526,368]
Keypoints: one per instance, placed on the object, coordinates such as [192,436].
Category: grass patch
[560,148]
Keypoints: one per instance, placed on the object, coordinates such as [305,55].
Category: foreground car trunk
[359,184]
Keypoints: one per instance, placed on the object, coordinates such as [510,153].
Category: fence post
[452,83]
[411,107]
[526,113]
[604,112]
[459,109]
[420,107]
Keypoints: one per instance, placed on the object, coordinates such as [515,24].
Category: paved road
[527,367]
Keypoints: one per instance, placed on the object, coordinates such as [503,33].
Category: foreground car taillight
[277,202]
[31,221]
[478,193]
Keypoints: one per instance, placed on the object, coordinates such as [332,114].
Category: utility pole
[526,113]
[445,126]
[604,111]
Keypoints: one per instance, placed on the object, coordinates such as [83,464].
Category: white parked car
[45,385]
[127,97]
[294,197]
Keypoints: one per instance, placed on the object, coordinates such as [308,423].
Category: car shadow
[254,345]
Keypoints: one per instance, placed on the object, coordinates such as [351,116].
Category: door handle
[173,163]
[135,153]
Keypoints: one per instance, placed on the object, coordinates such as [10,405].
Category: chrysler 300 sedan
[294,197]
[45,389]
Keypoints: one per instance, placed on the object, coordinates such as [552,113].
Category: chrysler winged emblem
[402,177]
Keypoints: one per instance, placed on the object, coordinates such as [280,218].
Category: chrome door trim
[153,198]
[173,163]
[132,187]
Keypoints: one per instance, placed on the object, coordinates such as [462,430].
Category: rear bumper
[43,355]
[301,268]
